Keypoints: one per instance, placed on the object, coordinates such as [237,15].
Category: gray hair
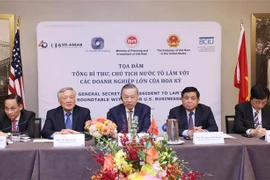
[129,86]
[65,89]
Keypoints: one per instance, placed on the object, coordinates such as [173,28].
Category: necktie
[190,121]
[256,120]
[14,127]
[129,120]
[68,121]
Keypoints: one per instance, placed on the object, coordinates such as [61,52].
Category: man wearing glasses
[123,114]
[191,115]
[253,117]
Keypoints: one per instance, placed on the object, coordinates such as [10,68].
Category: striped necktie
[256,120]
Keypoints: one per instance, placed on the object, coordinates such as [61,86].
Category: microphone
[17,125]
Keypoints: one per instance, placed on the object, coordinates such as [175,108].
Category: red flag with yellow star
[241,71]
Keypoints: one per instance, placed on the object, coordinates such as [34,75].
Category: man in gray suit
[193,117]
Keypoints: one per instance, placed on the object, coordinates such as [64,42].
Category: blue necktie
[68,121]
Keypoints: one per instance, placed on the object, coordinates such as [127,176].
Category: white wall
[227,13]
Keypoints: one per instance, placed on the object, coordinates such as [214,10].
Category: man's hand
[67,131]
[258,132]
[3,134]
[195,129]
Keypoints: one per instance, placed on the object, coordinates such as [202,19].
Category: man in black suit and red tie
[68,118]
[123,114]
[253,117]
[15,118]
[193,117]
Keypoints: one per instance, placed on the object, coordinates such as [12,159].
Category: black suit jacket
[118,115]
[26,123]
[55,120]
[244,119]
[203,117]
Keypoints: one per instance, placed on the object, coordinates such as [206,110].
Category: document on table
[43,140]
[227,136]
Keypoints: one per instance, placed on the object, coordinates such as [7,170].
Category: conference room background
[227,13]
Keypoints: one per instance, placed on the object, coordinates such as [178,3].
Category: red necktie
[14,129]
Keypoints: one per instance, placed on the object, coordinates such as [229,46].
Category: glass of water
[16,137]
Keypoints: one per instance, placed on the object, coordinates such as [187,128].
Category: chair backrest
[37,128]
[229,123]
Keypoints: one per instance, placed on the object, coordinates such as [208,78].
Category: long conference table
[238,159]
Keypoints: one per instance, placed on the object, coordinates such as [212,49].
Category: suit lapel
[198,115]
[75,117]
[122,117]
[60,117]
[250,115]
[183,115]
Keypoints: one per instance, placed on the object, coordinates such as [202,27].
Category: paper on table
[43,140]
[227,136]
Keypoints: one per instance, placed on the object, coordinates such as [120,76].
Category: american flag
[16,73]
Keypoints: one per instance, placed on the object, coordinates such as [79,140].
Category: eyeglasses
[132,98]
[191,98]
[260,102]
[10,109]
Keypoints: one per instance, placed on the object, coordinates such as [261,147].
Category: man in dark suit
[123,114]
[68,118]
[192,116]
[253,117]
[15,118]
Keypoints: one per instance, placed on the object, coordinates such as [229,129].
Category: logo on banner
[206,40]
[132,41]
[173,40]
[206,44]
[97,43]
[43,44]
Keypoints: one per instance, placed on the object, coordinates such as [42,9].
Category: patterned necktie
[129,120]
[68,121]
[256,120]
[14,127]
[190,121]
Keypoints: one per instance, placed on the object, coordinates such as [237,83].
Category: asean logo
[43,44]
[97,43]
[173,40]
[132,41]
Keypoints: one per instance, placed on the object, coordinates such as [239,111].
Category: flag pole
[18,22]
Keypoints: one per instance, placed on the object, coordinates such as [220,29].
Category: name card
[68,140]
[267,136]
[208,138]
[3,142]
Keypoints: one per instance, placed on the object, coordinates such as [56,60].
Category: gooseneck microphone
[17,125]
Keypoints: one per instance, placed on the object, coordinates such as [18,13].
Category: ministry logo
[97,43]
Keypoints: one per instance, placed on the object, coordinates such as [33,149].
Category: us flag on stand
[15,85]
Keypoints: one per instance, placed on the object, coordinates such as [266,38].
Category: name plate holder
[267,136]
[208,138]
[3,142]
[69,140]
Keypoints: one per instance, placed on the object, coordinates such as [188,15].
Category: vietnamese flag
[153,129]
[241,70]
